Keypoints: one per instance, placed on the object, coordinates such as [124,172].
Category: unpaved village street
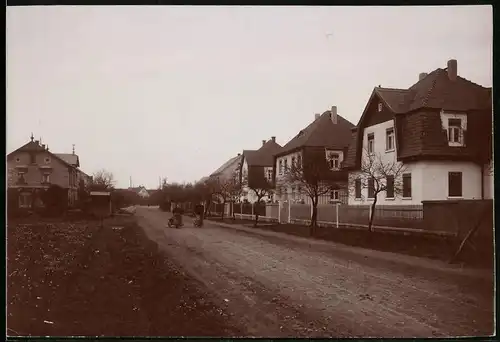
[289,286]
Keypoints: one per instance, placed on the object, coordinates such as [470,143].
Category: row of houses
[33,168]
[439,129]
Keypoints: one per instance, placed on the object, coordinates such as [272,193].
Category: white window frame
[370,142]
[452,130]
[390,136]
[19,174]
[380,106]
[334,195]
[334,161]
[45,176]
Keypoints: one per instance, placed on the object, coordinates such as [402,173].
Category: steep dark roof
[264,156]
[322,132]
[418,125]
[69,158]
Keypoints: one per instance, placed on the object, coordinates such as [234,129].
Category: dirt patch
[427,246]
[81,279]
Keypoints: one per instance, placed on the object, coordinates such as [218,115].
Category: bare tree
[315,179]
[102,180]
[377,175]
[227,189]
[257,182]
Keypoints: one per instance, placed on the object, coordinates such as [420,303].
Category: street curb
[413,261]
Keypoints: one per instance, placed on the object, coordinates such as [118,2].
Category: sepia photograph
[250,171]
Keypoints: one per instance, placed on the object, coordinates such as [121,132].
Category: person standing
[199,210]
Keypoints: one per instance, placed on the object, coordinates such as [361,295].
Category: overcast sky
[169,91]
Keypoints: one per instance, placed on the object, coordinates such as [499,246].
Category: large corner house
[329,135]
[32,168]
[440,129]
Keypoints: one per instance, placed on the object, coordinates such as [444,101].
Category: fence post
[369,212]
[232,209]
[337,213]
[253,204]
[279,212]
[289,212]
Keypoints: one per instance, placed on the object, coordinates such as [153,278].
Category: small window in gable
[47,160]
[380,106]
[18,160]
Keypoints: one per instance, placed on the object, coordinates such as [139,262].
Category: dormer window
[380,106]
[455,131]
[334,161]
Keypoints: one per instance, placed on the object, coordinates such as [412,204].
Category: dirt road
[288,287]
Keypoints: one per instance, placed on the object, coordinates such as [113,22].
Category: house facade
[438,130]
[32,168]
[327,137]
[141,191]
[257,169]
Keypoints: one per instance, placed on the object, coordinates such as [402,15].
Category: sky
[175,91]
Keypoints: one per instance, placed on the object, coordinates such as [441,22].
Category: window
[20,178]
[389,139]
[407,185]
[286,164]
[390,187]
[380,106]
[270,174]
[45,178]
[334,195]
[293,161]
[47,160]
[18,160]
[455,132]
[281,166]
[454,184]
[299,161]
[357,188]
[371,188]
[371,143]
[32,158]
[25,200]
[334,161]
[293,193]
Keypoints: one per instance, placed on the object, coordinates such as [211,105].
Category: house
[228,169]
[440,129]
[141,191]
[32,168]
[257,169]
[329,136]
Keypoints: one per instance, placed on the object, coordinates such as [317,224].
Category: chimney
[316,116]
[43,146]
[263,142]
[452,69]
[333,114]
[273,139]
[239,154]
[47,147]
[422,75]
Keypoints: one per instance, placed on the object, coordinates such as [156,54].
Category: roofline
[50,153]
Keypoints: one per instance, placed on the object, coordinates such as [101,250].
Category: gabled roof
[34,146]
[264,156]
[322,132]
[226,165]
[71,159]
[416,112]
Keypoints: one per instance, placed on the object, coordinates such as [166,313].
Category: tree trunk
[314,217]
[222,211]
[372,214]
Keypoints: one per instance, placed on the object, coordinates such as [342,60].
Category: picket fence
[408,216]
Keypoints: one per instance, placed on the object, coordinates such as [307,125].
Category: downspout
[482,181]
